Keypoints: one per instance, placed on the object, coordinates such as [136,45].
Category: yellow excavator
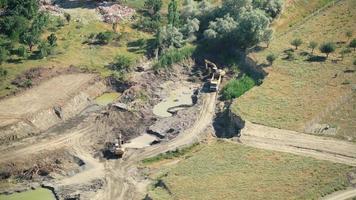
[216,77]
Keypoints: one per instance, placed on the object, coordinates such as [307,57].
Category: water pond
[107,98]
[37,194]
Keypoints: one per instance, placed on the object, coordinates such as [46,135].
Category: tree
[40,22]
[52,39]
[25,8]
[190,28]
[173,13]
[296,42]
[3,55]
[22,52]
[220,28]
[348,34]
[30,39]
[153,6]
[312,46]
[327,48]
[169,37]
[273,8]
[271,58]
[353,44]
[14,26]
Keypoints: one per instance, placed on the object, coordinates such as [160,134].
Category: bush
[3,55]
[173,56]
[44,49]
[237,87]
[271,58]
[105,37]
[52,39]
[3,72]
[290,55]
[122,63]
[22,52]
[353,44]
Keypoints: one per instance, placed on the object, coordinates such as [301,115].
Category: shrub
[353,44]
[3,72]
[122,63]
[52,39]
[327,48]
[105,37]
[44,49]
[237,87]
[271,58]
[22,52]
[290,55]
[173,56]
[3,55]
[67,16]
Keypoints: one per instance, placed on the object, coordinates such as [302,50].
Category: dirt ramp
[54,101]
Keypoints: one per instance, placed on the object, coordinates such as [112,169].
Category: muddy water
[107,98]
[176,97]
[37,194]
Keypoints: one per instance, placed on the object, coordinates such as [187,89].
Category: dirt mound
[113,13]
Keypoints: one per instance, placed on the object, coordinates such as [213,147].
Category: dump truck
[217,75]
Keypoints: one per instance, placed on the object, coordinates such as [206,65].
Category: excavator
[115,148]
[217,75]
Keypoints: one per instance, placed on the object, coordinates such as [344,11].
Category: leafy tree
[312,45]
[296,42]
[271,58]
[348,34]
[153,6]
[14,26]
[220,28]
[168,37]
[68,17]
[52,39]
[3,55]
[327,48]
[40,22]
[353,44]
[30,39]
[25,8]
[173,13]
[190,28]
[273,8]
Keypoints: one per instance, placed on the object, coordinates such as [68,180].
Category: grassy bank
[298,90]
[222,170]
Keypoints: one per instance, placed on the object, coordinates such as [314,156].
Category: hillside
[298,93]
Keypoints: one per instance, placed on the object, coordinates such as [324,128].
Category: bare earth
[47,94]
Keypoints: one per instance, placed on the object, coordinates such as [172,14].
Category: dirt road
[341,195]
[298,143]
[122,176]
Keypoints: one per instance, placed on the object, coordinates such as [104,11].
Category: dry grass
[296,92]
[222,170]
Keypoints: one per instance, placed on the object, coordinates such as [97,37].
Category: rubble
[113,13]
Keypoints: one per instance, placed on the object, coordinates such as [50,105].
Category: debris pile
[49,6]
[115,13]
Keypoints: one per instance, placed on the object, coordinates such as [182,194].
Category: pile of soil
[115,13]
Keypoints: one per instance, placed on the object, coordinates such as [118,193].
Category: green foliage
[153,6]
[30,39]
[290,55]
[190,28]
[68,17]
[44,49]
[122,63]
[170,154]
[173,56]
[52,39]
[105,37]
[25,8]
[273,8]
[14,26]
[349,34]
[22,52]
[169,37]
[3,72]
[3,55]
[353,44]
[312,45]
[147,24]
[173,13]
[237,87]
[296,42]
[344,51]
[271,58]
[327,48]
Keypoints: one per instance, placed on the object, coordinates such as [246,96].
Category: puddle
[142,141]
[107,98]
[178,97]
[37,194]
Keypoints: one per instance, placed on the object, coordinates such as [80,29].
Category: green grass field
[296,92]
[222,170]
